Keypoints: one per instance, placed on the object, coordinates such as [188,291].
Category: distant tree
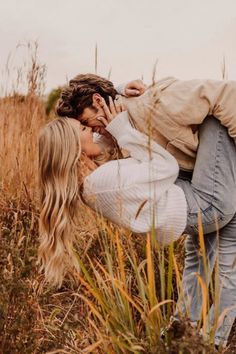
[52,99]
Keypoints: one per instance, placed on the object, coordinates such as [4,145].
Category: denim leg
[222,248]
[227,282]
[212,190]
[191,303]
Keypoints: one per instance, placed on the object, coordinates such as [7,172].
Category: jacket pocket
[184,153]
[188,149]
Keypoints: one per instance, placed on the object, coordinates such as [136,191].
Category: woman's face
[88,146]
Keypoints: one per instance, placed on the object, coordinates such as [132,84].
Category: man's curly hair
[77,95]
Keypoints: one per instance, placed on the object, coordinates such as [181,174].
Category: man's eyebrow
[85,120]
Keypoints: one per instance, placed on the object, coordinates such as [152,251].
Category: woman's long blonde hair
[60,179]
[59,155]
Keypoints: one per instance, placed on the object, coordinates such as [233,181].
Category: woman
[138,192]
[125,191]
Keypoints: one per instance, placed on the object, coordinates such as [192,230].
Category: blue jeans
[212,192]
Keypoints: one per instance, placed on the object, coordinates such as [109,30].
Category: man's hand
[134,88]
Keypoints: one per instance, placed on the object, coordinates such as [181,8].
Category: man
[171,111]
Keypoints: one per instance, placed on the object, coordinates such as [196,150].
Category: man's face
[90,116]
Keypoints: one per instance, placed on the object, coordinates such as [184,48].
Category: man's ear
[97,100]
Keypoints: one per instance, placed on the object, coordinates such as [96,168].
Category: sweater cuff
[121,89]
[119,125]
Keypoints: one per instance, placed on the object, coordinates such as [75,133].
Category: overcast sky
[188,37]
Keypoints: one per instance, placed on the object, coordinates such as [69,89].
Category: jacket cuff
[121,89]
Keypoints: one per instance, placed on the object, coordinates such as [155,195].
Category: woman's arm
[139,145]
[161,163]
[139,192]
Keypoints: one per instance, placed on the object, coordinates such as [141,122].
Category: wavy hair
[60,182]
[59,154]
[77,95]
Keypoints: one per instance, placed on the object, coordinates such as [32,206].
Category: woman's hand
[110,111]
[135,88]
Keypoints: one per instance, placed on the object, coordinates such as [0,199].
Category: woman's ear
[97,100]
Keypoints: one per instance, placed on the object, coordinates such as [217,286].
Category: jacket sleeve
[189,102]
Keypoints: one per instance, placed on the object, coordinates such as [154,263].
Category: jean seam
[205,211]
[217,160]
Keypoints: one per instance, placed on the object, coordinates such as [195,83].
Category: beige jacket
[171,109]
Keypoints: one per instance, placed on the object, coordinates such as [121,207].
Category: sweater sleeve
[161,163]
[139,192]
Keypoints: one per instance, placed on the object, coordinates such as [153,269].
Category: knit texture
[138,192]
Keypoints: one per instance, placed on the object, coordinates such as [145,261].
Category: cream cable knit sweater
[138,192]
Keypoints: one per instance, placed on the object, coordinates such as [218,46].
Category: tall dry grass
[128,285]
[21,117]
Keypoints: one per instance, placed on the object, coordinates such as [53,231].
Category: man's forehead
[87,114]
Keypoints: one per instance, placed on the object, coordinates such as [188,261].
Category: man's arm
[132,88]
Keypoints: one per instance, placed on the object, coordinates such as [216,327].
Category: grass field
[127,287]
